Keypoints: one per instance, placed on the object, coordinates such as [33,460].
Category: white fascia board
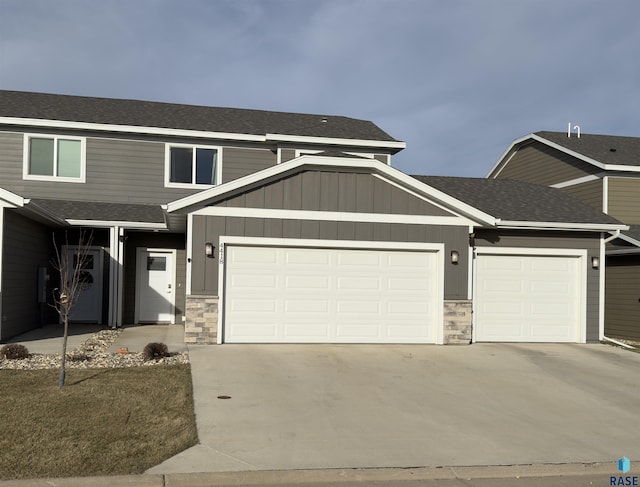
[593,227]
[121,224]
[43,212]
[12,199]
[631,251]
[505,153]
[340,216]
[629,239]
[372,165]
[303,139]
[129,129]
[573,182]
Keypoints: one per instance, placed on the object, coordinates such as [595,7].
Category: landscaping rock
[92,354]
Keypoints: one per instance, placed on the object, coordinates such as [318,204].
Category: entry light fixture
[595,262]
[454,256]
[208,249]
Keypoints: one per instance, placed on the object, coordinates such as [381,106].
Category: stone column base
[457,322]
[201,320]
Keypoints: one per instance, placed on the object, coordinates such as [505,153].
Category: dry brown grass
[103,422]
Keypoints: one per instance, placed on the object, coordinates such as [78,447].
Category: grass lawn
[103,422]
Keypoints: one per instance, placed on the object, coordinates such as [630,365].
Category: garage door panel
[341,296]
[541,302]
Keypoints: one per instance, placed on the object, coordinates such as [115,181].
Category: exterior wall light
[595,262]
[454,256]
[208,249]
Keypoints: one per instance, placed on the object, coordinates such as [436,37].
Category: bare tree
[70,263]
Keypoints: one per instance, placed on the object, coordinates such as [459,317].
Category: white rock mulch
[92,354]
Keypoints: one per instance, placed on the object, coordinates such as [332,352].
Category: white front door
[155,296]
[88,307]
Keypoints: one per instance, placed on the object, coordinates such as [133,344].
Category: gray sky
[458,80]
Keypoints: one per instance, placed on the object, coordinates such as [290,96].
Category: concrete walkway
[48,339]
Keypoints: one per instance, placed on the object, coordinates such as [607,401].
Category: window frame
[26,156]
[167,166]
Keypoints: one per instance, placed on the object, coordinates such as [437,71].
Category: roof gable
[605,152]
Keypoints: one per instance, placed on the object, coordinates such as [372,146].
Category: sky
[457,80]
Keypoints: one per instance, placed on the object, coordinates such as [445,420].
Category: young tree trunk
[63,364]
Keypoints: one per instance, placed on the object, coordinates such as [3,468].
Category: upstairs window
[54,157]
[192,165]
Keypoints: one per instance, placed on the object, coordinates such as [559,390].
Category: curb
[355,475]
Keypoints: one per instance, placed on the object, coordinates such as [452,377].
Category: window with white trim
[188,165]
[53,157]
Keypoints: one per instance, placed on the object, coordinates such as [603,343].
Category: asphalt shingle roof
[46,106]
[607,149]
[87,210]
[512,200]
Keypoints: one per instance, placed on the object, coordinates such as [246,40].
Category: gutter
[591,227]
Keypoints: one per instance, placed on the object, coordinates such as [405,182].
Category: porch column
[116,252]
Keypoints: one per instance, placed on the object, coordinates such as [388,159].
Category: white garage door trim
[581,254]
[225,241]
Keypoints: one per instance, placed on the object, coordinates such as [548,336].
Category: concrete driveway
[329,406]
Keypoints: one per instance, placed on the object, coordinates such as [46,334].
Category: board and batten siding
[624,199]
[589,192]
[622,300]
[556,240]
[26,247]
[541,164]
[335,191]
[239,162]
[204,271]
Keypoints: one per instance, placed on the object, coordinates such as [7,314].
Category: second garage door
[528,298]
[328,295]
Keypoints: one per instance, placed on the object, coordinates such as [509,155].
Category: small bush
[155,351]
[14,351]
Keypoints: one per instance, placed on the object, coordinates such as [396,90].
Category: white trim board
[330,244]
[202,134]
[331,216]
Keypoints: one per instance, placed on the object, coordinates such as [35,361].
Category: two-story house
[603,171]
[256,226]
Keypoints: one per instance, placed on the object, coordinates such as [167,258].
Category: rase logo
[624,465]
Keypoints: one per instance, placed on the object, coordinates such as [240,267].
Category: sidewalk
[524,475]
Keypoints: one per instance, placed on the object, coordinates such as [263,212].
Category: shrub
[78,357]
[14,351]
[155,351]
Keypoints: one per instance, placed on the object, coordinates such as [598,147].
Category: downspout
[616,342]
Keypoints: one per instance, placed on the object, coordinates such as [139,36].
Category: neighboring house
[253,226]
[604,172]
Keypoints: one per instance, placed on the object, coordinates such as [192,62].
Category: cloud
[458,81]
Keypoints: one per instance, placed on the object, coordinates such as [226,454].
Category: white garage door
[524,298]
[313,295]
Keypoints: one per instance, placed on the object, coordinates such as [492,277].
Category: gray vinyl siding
[624,199]
[541,164]
[157,241]
[622,300]
[26,247]
[237,163]
[335,191]
[120,170]
[204,271]
[589,192]
[556,240]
